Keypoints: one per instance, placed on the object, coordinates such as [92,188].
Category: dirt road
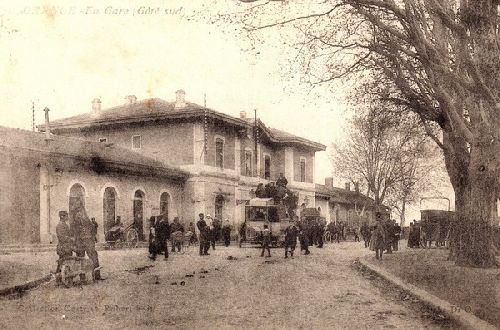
[318,291]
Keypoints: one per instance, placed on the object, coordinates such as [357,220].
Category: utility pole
[256,137]
[33,115]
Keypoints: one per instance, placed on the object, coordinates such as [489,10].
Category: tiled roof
[106,154]
[343,196]
[155,109]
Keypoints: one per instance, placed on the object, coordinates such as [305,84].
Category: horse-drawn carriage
[117,236]
[435,224]
[260,212]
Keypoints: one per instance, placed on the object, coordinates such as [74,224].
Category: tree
[386,155]
[438,58]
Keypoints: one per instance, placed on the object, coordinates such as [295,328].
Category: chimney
[329,182]
[348,186]
[180,99]
[96,105]
[243,114]
[131,99]
[47,124]
[356,187]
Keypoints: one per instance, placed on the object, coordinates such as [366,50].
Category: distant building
[348,206]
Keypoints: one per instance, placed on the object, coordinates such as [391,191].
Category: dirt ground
[470,290]
[319,291]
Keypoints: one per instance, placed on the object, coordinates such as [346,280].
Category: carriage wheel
[66,276]
[327,237]
[132,238]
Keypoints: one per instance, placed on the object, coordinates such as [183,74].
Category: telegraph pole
[256,137]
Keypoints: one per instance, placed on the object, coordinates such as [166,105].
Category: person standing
[266,241]
[397,236]
[210,231]
[291,233]
[163,230]
[204,235]
[85,239]
[153,240]
[303,237]
[177,230]
[94,223]
[226,232]
[193,233]
[378,239]
[365,233]
[64,240]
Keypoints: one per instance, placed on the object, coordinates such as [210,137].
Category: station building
[151,157]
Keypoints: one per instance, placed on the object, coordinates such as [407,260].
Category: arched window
[267,167]
[219,207]
[109,208]
[138,209]
[219,152]
[76,199]
[164,204]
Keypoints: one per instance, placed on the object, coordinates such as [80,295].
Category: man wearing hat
[291,233]
[64,239]
[204,235]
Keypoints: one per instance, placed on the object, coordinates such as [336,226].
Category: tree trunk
[473,179]
[402,219]
[477,235]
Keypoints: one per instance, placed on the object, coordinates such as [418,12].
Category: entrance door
[109,208]
[219,206]
[139,213]
[164,201]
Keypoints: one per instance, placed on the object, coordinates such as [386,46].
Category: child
[266,240]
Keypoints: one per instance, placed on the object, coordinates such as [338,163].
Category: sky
[63,54]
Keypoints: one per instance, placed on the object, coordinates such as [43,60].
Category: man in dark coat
[163,231]
[95,228]
[64,239]
[397,235]
[226,232]
[204,235]
[282,181]
[153,240]
[365,233]
[304,236]
[291,233]
[389,230]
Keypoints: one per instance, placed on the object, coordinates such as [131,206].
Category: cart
[75,266]
[118,236]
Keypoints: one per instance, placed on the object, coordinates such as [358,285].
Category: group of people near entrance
[211,230]
[79,237]
[384,235]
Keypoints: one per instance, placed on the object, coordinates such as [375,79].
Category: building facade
[225,157]
[41,175]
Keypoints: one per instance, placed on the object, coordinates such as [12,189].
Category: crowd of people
[80,235]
